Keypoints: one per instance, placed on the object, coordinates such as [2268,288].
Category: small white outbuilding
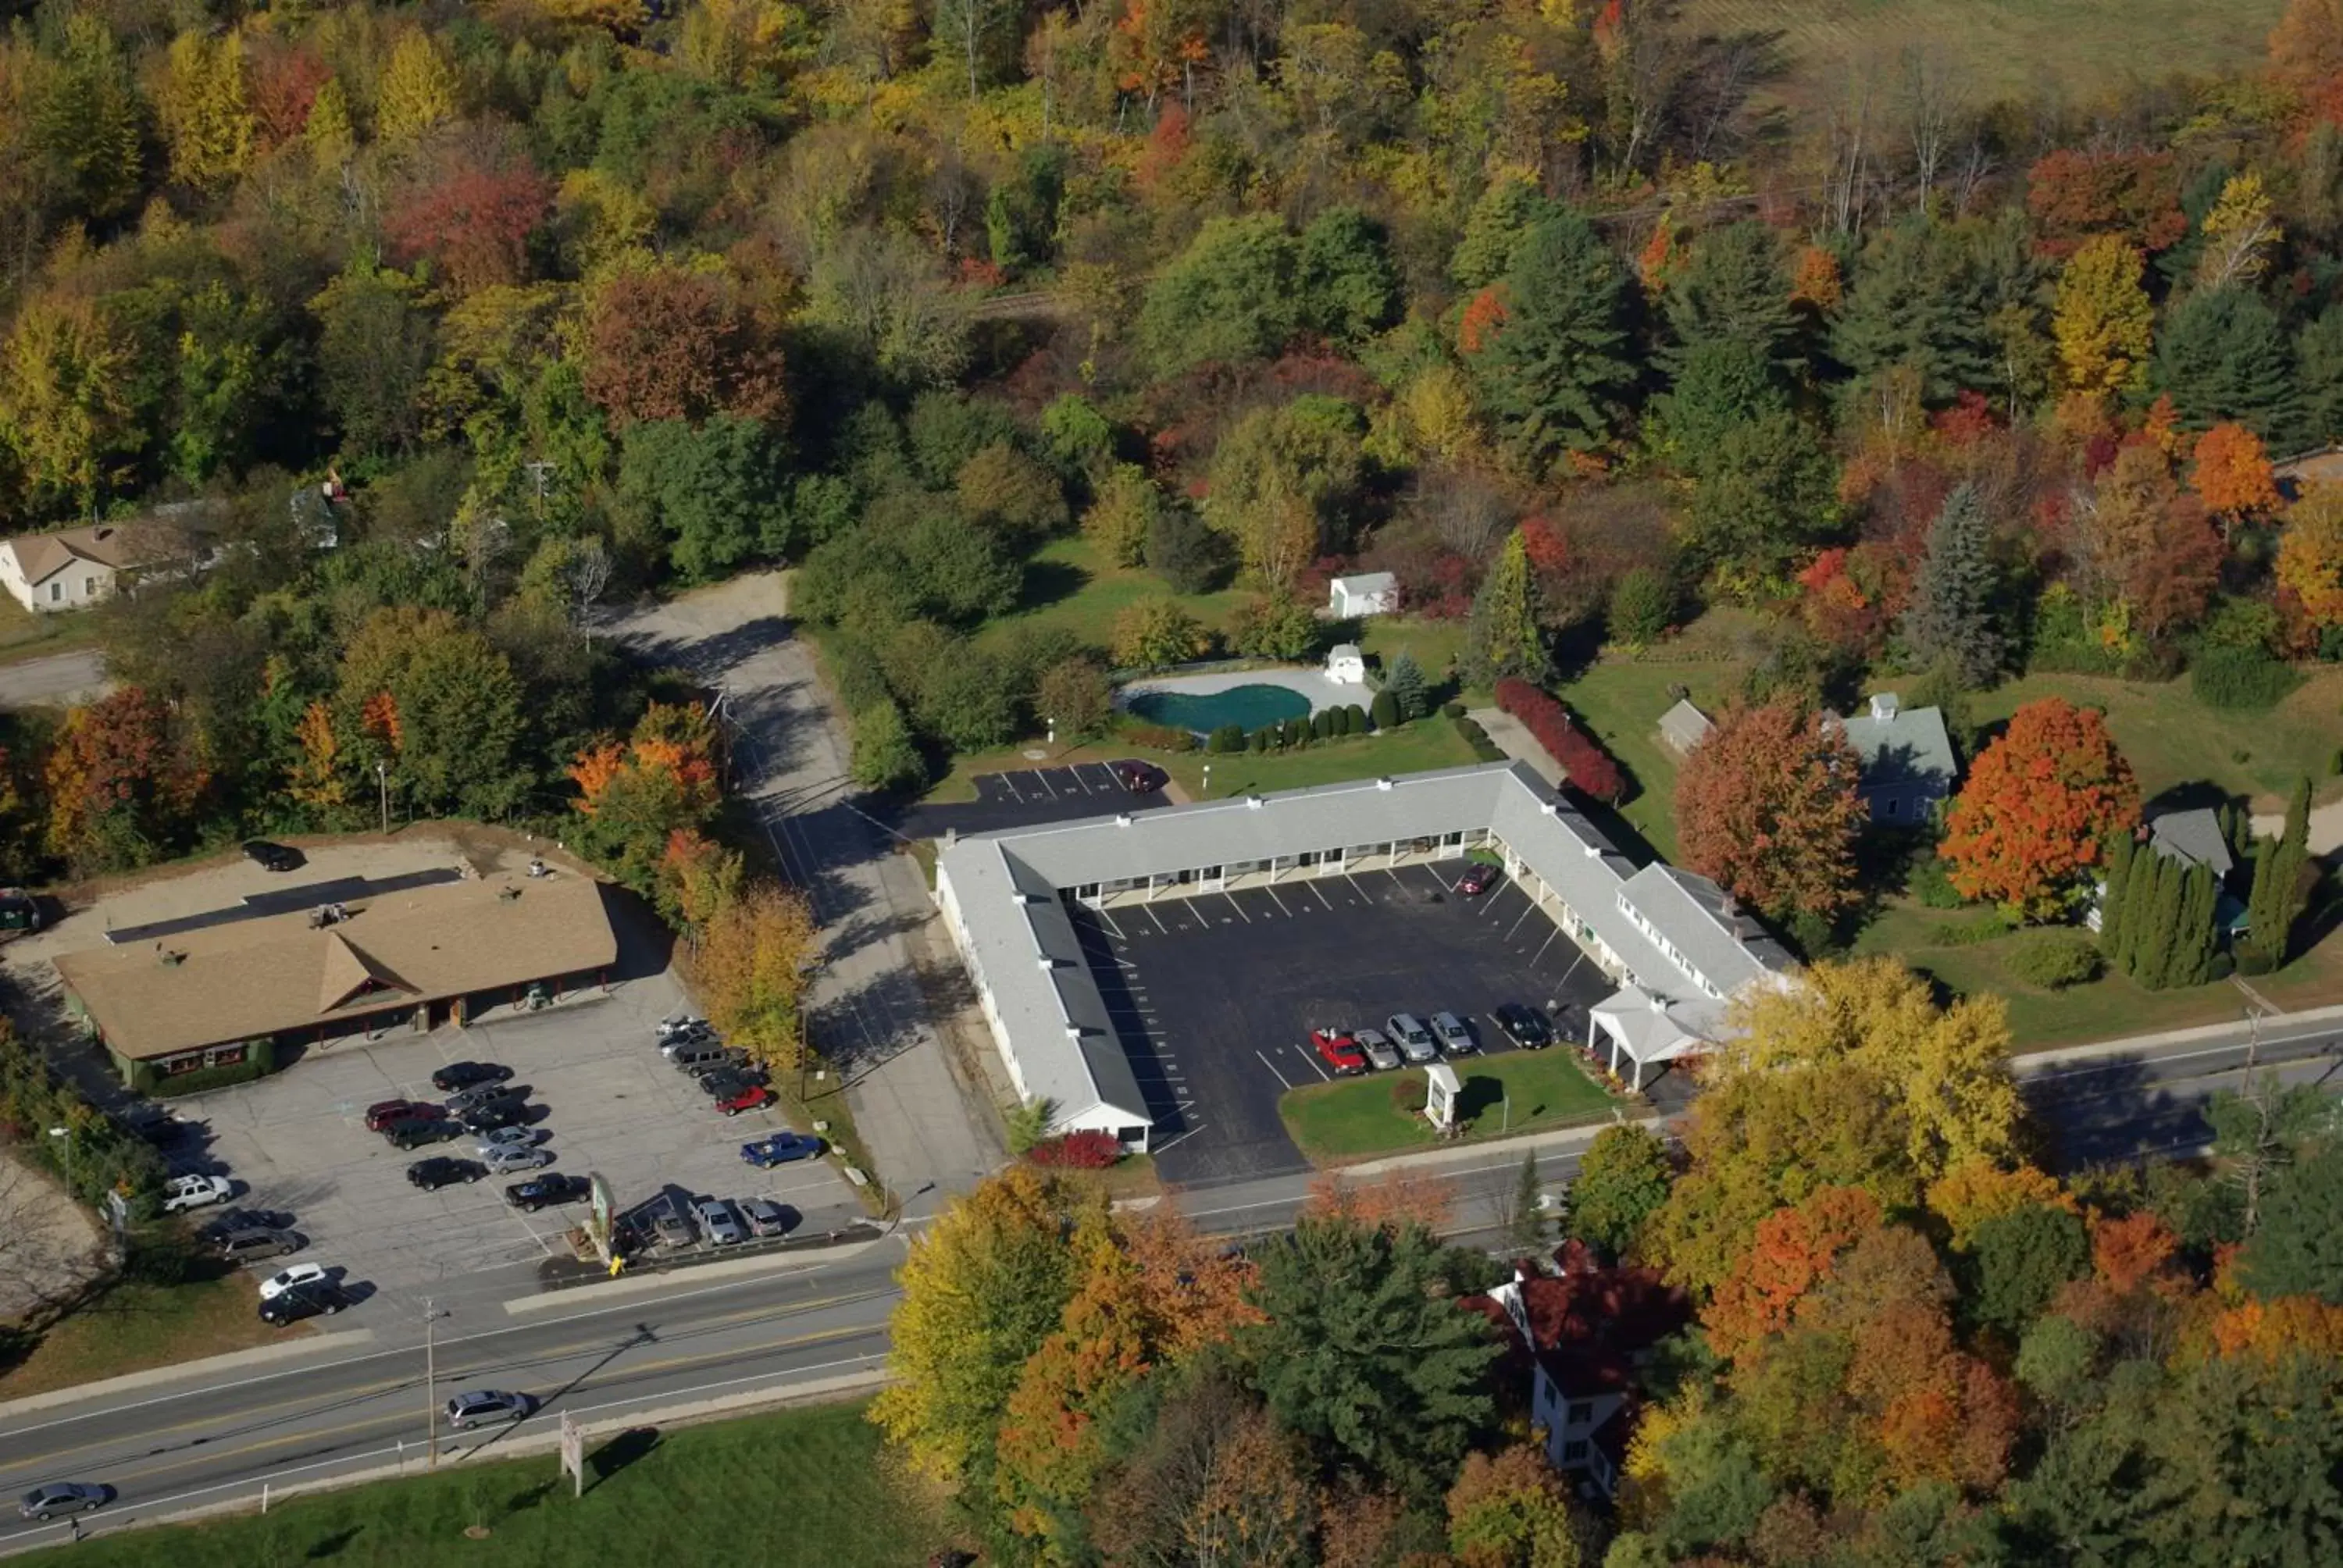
[1368,593]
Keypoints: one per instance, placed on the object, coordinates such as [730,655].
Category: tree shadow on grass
[1479,1094]
[1048,582]
[332,1545]
[634,1444]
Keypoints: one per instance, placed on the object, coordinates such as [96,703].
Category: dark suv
[496,1113]
[415,1134]
[440,1171]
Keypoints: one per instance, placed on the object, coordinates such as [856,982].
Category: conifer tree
[2152,956]
[2276,900]
[2140,908]
[2112,906]
[2193,945]
[1406,686]
[1553,370]
[1504,636]
[1951,616]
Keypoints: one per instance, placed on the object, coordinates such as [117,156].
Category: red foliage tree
[2145,541]
[122,782]
[1767,807]
[282,80]
[2034,817]
[1589,767]
[673,343]
[2073,195]
[470,204]
[1795,1250]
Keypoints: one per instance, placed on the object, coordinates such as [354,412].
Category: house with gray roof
[1906,757]
[1684,726]
[2193,837]
[1674,942]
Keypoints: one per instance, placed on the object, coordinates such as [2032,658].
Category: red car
[1339,1051]
[753,1097]
[1478,879]
[384,1113]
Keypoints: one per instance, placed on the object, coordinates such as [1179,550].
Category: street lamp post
[1052,739]
[382,778]
[66,1133]
[432,1316]
[1207,781]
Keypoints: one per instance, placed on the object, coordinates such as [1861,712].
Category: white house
[1368,593]
[74,569]
[1345,665]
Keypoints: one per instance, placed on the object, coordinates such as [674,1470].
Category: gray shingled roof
[2194,837]
[1909,748]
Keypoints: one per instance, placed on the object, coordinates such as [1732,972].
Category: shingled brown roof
[134,541]
[278,973]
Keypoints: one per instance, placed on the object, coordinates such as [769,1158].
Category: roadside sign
[573,1452]
[598,1224]
[117,1209]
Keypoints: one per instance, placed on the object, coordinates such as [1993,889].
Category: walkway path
[2326,826]
[56,680]
[1513,737]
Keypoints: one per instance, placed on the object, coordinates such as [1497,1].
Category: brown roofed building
[74,569]
[406,959]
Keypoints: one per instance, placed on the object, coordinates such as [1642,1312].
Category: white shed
[1369,593]
[1345,665]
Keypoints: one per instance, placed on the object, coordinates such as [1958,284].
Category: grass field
[1067,585]
[2059,49]
[1353,1118]
[135,1326]
[807,1487]
[23,634]
[1622,703]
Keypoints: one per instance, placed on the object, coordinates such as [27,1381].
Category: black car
[1139,778]
[475,1097]
[732,1081]
[733,1061]
[415,1134]
[271,856]
[464,1074]
[439,1171]
[291,1305]
[1524,1025]
[228,1221]
[553,1187]
[496,1113]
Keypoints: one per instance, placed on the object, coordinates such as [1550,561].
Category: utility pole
[382,778]
[431,1386]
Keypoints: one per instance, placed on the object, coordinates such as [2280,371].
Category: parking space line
[1231,898]
[1109,919]
[1279,903]
[1544,945]
[1159,1148]
[1157,918]
[1355,886]
[1010,784]
[1322,899]
[1311,1058]
[1273,1068]
[1517,921]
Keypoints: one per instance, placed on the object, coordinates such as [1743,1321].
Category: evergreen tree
[1527,1219]
[1554,369]
[1503,638]
[2112,906]
[1406,685]
[2152,956]
[2139,907]
[2192,940]
[1736,290]
[1768,490]
[2223,357]
[2319,375]
[2276,900]
[1950,619]
[1721,385]
[1915,302]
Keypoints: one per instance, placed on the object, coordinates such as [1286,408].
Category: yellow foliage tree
[2104,323]
[2310,554]
[421,89]
[330,136]
[315,775]
[65,410]
[755,956]
[2241,232]
[1979,1190]
[206,110]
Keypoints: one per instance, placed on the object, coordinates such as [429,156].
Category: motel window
[1895,807]
[89,587]
[1581,1411]
[1575,1451]
[56,592]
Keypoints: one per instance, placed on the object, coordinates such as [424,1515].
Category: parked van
[695,1052]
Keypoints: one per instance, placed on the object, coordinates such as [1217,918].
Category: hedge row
[1589,767]
[1085,1151]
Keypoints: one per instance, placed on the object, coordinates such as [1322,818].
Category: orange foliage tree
[1396,1197]
[2032,821]
[754,959]
[1794,1251]
[1767,807]
[2233,476]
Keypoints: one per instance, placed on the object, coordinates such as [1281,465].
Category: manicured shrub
[1930,885]
[1485,748]
[1227,738]
[1589,767]
[1408,1092]
[1452,710]
[2243,678]
[1077,1152]
[1358,718]
[1160,738]
[1385,711]
[1322,724]
[2055,960]
[1262,738]
[1297,732]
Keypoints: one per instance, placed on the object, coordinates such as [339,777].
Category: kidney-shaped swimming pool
[1205,712]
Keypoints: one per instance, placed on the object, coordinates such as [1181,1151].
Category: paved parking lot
[297,1142]
[1215,995]
[1028,797]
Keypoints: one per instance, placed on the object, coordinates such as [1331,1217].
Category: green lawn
[1354,1117]
[2107,1008]
[1069,585]
[135,1326]
[1622,703]
[2069,50]
[809,1487]
[1438,646]
[23,634]
[2173,738]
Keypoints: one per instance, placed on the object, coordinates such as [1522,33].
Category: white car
[277,1284]
[503,1160]
[723,1225]
[184,1193]
[506,1138]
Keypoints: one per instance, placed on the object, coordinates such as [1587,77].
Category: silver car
[503,1161]
[716,1218]
[61,1497]
[1415,1042]
[479,1406]
[1381,1055]
[1455,1036]
[765,1217]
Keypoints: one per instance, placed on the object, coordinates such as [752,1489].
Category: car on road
[538,1191]
[1381,1053]
[474,1098]
[277,1284]
[767,1217]
[1524,1025]
[716,1218]
[780,1149]
[1454,1034]
[755,1097]
[1338,1051]
[505,1160]
[495,1116]
[181,1193]
[507,1138]
[1478,879]
[271,856]
[465,1075]
[384,1113]
[46,1502]
[317,1301]
[1415,1042]
[1138,778]
[252,1246]
[228,1221]
[482,1406]
[439,1171]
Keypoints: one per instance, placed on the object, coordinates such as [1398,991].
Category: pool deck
[1310,684]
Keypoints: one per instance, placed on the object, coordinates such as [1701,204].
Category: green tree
[205,110]
[2139,907]
[2113,904]
[1503,638]
[968,702]
[1508,209]
[65,419]
[1348,287]
[1004,489]
[85,121]
[2017,1262]
[443,706]
[885,756]
[2152,953]
[1768,491]
[374,347]
[1283,485]
[1917,304]
[1229,297]
[1554,369]
[1623,1178]
[1951,621]
[1364,1355]
[2194,940]
[1721,385]
[2222,356]
[1525,1219]
[1405,684]
[2277,897]
[1119,516]
[1734,289]
[2319,375]
[1154,631]
[2298,1247]
[1074,696]
[715,490]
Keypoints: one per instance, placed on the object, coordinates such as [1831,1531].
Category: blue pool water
[1204,711]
